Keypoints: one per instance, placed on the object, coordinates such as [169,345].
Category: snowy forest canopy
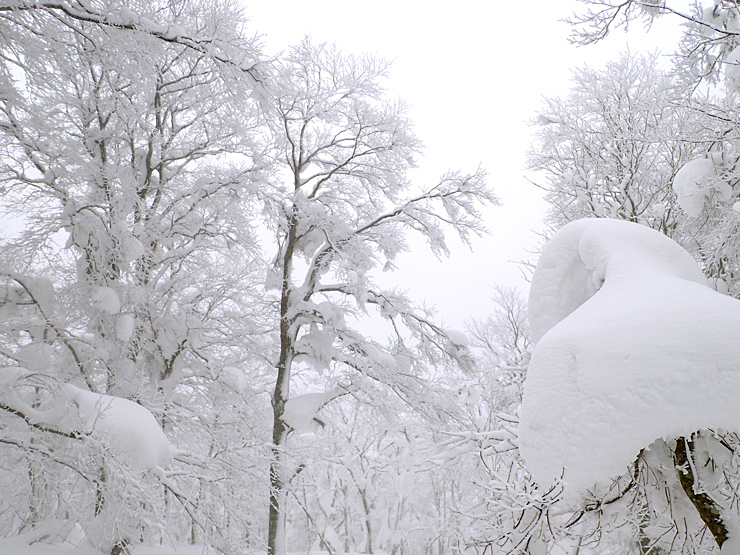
[195,349]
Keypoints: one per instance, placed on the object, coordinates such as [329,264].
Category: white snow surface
[129,430]
[695,181]
[632,345]
[29,544]
[10,547]
[9,376]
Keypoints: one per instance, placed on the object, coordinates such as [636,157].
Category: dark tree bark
[707,509]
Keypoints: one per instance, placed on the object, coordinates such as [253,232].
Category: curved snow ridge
[575,261]
[632,346]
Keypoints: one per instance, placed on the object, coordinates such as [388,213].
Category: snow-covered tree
[705,70]
[364,483]
[340,206]
[128,150]
[392,480]
[611,147]
[504,335]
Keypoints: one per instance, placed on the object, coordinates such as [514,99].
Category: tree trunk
[276,518]
[368,524]
[276,521]
[707,509]
[100,488]
[38,487]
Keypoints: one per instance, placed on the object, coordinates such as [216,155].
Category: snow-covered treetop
[632,345]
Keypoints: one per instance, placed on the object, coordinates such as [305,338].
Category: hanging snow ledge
[632,345]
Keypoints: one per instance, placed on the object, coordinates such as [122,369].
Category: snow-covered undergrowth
[17,546]
[34,544]
[632,345]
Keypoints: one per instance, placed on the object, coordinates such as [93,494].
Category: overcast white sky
[474,73]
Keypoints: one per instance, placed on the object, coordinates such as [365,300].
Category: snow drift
[632,345]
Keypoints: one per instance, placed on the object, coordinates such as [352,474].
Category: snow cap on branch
[301,411]
[129,430]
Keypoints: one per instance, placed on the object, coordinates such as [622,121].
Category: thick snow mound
[129,430]
[574,265]
[632,345]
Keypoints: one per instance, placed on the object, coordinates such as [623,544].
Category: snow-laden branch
[28,446]
[35,418]
[126,19]
[459,195]
[41,293]
[602,16]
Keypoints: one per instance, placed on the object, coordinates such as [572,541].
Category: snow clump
[106,300]
[631,345]
[695,182]
[300,411]
[125,325]
[236,378]
[129,430]
[732,69]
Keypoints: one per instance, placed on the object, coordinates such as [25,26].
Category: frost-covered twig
[25,446]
